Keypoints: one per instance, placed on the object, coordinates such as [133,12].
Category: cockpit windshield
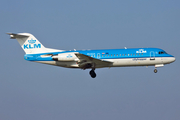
[162,52]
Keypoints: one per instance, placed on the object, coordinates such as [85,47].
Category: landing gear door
[152,55]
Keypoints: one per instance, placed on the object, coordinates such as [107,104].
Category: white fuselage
[117,62]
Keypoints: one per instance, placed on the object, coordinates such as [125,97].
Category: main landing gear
[92,73]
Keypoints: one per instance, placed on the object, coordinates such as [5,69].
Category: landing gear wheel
[92,73]
[155,70]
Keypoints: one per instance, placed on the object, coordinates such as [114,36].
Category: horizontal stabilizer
[14,36]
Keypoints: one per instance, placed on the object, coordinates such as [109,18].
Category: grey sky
[32,91]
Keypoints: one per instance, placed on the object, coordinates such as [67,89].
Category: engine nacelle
[65,57]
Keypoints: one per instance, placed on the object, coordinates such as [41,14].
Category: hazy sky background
[33,91]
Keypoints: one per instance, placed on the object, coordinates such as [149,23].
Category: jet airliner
[91,59]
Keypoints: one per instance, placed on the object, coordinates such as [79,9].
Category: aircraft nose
[173,59]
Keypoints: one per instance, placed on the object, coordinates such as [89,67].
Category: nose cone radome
[172,59]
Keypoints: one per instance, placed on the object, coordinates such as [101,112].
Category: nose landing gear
[155,70]
[92,73]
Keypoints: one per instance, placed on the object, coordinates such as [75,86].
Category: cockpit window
[162,52]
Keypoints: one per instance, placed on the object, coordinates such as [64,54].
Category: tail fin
[29,43]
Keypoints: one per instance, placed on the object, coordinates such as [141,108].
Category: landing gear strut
[155,70]
[92,73]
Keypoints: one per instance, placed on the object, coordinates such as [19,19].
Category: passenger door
[152,55]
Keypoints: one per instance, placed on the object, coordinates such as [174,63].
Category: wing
[89,62]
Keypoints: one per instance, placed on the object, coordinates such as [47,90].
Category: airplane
[91,59]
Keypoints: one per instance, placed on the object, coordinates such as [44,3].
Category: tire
[155,70]
[92,73]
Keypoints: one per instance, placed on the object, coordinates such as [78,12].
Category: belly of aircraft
[115,62]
